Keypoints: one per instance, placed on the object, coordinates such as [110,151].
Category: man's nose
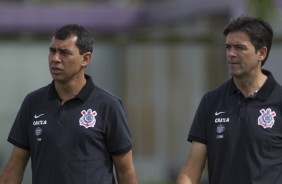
[231,52]
[55,57]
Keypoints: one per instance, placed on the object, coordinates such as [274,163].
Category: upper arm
[124,168]
[19,158]
[197,155]
[194,165]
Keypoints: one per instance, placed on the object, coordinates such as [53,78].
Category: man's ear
[86,58]
[262,53]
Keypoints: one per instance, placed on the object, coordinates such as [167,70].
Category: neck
[251,84]
[69,90]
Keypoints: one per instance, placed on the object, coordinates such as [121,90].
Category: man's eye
[240,47]
[227,47]
[52,50]
[64,53]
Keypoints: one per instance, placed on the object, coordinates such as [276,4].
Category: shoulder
[105,93]
[223,88]
[270,87]
[38,94]
[217,95]
[97,91]
[105,96]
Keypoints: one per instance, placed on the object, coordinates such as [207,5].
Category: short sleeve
[198,130]
[118,136]
[18,135]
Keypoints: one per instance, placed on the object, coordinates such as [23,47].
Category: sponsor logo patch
[218,113]
[37,116]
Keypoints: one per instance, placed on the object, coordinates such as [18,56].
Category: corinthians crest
[88,118]
[266,119]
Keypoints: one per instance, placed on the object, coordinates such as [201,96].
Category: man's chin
[57,78]
[234,73]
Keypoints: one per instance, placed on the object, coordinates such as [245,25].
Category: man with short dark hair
[237,127]
[73,131]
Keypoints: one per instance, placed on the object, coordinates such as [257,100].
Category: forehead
[238,37]
[68,43]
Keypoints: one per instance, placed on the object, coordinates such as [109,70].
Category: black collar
[83,94]
[263,92]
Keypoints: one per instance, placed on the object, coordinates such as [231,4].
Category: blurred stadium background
[159,56]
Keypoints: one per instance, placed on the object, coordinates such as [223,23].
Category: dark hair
[259,31]
[84,37]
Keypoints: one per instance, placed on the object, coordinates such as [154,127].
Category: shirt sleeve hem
[121,151]
[198,139]
[15,143]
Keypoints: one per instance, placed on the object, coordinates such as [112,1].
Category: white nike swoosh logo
[218,113]
[37,116]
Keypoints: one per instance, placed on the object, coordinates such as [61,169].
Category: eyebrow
[235,45]
[59,49]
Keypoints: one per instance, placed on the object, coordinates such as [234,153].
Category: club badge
[266,119]
[88,118]
[220,129]
[38,131]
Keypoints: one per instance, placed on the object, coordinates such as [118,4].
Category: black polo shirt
[72,143]
[243,135]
